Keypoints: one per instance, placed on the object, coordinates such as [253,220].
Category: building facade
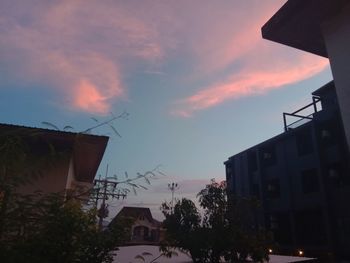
[301,178]
[145,229]
[321,27]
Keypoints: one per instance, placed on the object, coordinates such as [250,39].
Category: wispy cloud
[252,80]
[76,47]
[85,50]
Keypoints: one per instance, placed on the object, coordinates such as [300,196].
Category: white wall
[337,39]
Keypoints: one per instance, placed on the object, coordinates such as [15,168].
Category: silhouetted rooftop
[87,149]
[298,24]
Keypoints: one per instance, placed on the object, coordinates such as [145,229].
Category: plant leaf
[50,125]
[115,130]
[147,180]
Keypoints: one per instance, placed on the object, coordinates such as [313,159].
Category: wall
[337,39]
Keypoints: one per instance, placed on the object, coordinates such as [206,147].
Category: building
[302,180]
[52,161]
[321,27]
[145,229]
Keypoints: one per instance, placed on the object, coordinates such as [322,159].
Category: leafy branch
[109,122]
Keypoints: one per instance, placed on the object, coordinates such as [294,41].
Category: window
[310,181]
[255,191]
[273,188]
[304,142]
[273,222]
[280,227]
[336,174]
[268,155]
[310,227]
[252,161]
[230,170]
[329,132]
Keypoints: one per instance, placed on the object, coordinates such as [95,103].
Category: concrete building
[321,27]
[53,161]
[145,229]
[302,180]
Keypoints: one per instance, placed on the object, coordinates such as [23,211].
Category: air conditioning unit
[325,134]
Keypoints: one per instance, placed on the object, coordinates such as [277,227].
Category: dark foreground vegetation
[221,230]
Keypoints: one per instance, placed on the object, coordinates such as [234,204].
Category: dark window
[310,227]
[304,142]
[280,226]
[255,191]
[252,161]
[273,188]
[268,155]
[230,171]
[309,181]
[329,132]
[343,225]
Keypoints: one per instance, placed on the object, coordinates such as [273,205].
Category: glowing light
[300,252]
[270,250]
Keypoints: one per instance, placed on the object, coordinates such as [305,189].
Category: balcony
[302,115]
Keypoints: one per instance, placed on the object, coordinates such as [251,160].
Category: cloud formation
[250,82]
[75,47]
[84,50]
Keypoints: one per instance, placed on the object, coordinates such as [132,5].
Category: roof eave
[298,24]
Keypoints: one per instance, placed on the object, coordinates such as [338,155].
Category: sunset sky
[199,82]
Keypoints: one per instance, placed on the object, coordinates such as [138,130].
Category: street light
[172,187]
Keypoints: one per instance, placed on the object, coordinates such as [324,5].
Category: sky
[196,78]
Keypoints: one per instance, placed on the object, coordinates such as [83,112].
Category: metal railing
[302,119]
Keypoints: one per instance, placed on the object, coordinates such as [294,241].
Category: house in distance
[145,229]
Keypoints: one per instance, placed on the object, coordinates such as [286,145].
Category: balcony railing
[301,115]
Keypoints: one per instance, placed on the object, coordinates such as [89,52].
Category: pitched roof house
[145,229]
[62,161]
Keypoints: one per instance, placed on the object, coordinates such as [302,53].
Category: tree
[55,227]
[221,232]
[50,228]
[184,230]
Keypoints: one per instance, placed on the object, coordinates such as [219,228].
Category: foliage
[183,228]
[225,229]
[47,228]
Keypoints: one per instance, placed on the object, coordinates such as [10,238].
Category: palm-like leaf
[50,125]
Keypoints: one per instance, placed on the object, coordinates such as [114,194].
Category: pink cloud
[230,30]
[88,97]
[81,49]
[252,81]
[84,49]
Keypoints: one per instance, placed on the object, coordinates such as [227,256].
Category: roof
[136,212]
[298,24]
[87,149]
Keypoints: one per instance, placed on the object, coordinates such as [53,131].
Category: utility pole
[105,189]
[172,187]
